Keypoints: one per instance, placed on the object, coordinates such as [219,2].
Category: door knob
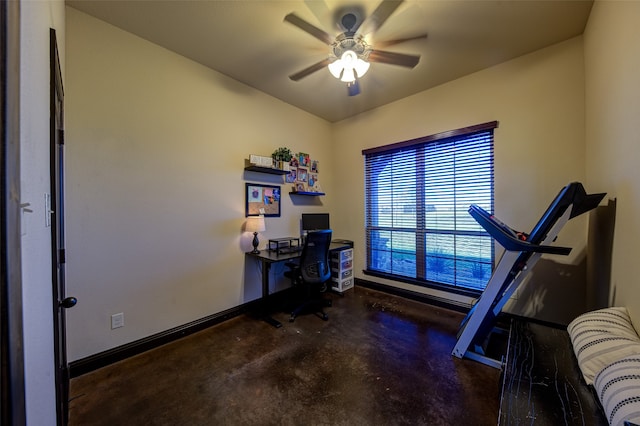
[69,302]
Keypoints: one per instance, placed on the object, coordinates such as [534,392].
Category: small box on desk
[284,245]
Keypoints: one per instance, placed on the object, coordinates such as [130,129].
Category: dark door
[56,214]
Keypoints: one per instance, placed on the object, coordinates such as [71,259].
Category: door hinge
[60,136]
[62,256]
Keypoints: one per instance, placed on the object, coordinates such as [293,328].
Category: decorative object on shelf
[302,174]
[299,169]
[313,180]
[303,159]
[262,199]
[260,161]
[292,176]
[255,224]
[282,156]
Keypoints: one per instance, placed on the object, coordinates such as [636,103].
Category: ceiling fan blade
[321,11]
[379,16]
[389,43]
[393,58]
[309,28]
[310,70]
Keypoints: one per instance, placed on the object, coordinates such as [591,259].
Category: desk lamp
[255,224]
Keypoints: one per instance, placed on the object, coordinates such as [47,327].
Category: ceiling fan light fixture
[348,67]
[348,75]
[350,51]
[335,68]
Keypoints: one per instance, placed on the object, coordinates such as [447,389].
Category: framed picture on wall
[262,198]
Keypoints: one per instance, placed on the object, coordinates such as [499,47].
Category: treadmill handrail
[506,236]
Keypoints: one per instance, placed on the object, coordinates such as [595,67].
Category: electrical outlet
[117,320]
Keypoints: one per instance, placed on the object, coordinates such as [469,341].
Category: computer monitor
[315,221]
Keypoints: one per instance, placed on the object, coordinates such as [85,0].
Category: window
[417,196]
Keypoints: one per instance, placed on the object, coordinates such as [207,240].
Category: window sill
[423,283]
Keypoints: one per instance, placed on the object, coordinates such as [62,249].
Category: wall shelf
[268,170]
[306,193]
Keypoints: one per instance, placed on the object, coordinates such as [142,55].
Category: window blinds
[417,198]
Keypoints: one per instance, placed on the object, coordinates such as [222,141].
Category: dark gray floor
[379,360]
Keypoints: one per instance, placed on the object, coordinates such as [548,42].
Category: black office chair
[311,274]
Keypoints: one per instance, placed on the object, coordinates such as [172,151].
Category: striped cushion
[611,320]
[602,337]
[618,387]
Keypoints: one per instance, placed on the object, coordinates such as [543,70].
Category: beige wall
[538,100]
[612,64]
[36,19]
[155,185]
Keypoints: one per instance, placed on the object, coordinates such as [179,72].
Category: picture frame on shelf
[315,166]
[312,180]
[302,174]
[292,176]
[261,198]
[304,159]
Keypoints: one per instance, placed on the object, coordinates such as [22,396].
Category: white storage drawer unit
[342,270]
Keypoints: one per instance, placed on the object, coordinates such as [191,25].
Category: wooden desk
[267,258]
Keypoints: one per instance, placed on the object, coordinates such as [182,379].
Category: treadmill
[522,252]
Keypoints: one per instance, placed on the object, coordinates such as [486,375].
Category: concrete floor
[379,360]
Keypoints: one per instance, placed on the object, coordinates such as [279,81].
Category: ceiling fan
[350,53]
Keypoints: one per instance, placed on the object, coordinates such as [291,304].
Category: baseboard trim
[102,359]
[91,363]
[413,295]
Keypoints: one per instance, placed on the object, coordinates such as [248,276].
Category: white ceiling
[250,42]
